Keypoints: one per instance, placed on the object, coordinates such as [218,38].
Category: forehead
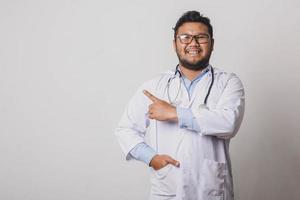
[192,28]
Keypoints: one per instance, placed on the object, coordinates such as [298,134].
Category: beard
[196,66]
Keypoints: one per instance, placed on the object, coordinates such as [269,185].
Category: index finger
[173,162]
[150,96]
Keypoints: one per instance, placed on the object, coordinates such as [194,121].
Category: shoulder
[224,77]
[223,74]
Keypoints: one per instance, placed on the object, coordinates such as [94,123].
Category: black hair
[193,16]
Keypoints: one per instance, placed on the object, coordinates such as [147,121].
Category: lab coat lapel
[200,90]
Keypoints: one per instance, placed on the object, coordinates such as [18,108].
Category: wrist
[173,116]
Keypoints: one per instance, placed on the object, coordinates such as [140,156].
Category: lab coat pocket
[163,172]
[163,181]
[212,180]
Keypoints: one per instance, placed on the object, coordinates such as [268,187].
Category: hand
[160,161]
[161,110]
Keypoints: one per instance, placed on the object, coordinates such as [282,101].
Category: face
[194,55]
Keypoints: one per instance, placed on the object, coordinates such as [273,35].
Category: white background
[68,68]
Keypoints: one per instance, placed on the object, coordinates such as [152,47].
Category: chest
[175,92]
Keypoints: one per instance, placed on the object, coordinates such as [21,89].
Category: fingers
[173,162]
[151,96]
[151,116]
[150,113]
[160,161]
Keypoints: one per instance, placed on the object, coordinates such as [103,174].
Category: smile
[193,52]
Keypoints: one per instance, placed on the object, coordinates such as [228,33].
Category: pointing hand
[160,109]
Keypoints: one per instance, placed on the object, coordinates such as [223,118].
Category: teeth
[194,52]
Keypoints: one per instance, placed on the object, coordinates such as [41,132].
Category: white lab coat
[205,167]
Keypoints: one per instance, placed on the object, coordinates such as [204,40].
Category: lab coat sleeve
[224,120]
[143,152]
[134,121]
[186,119]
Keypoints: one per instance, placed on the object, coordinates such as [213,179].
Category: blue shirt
[186,119]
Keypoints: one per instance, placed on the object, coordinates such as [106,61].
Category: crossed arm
[222,121]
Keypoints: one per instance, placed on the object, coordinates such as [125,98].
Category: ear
[174,45]
[212,44]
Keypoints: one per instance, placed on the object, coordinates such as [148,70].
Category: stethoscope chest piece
[202,106]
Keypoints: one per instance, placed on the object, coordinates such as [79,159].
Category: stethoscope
[174,102]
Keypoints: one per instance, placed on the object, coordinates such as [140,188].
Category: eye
[202,36]
[185,37]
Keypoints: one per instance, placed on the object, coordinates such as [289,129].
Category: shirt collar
[196,79]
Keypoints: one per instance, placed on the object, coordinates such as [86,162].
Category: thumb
[173,162]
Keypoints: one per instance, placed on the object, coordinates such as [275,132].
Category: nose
[194,42]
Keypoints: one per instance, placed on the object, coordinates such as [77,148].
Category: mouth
[193,52]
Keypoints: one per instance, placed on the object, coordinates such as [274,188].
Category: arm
[132,126]
[224,120]
[143,152]
[187,120]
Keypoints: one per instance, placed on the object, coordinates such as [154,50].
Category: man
[181,123]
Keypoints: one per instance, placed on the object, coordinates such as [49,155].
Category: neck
[190,74]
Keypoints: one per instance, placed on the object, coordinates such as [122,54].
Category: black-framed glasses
[200,38]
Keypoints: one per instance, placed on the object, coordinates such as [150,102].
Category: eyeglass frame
[194,37]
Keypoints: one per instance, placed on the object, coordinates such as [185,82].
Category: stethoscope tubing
[180,76]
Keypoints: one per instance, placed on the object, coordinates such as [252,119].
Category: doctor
[181,122]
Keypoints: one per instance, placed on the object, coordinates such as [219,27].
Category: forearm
[143,152]
[187,120]
[224,119]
